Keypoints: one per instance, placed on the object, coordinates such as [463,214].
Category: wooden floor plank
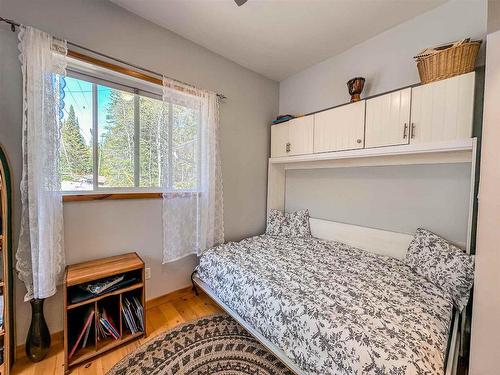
[47,366]
[109,360]
[155,322]
[165,314]
[186,310]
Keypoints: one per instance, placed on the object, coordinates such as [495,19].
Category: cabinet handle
[288,147]
[358,140]
[405,131]
[412,130]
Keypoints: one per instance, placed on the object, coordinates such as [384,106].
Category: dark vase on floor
[38,340]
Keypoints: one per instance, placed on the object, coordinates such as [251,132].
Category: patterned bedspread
[332,308]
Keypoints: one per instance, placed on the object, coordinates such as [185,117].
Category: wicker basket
[447,61]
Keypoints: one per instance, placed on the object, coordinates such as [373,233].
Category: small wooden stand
[130,265]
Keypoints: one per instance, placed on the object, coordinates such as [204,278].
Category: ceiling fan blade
[240,2]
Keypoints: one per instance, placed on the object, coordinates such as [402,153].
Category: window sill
[84,197]
[109,196]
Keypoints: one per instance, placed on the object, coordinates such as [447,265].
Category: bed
[327,307]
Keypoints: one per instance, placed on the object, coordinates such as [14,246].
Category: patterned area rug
[212,345]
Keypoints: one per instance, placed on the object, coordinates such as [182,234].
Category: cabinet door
[279,139]
[340,128]
[300,135]
[443,110]
[388,119]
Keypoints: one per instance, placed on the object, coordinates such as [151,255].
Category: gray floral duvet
[332,308]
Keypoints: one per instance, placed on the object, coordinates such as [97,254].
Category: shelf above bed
[461,151]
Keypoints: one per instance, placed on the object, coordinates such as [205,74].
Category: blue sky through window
[78,94]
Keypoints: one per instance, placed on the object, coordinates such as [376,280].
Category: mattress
[332,308]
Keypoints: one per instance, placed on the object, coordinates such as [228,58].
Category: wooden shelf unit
[129,264]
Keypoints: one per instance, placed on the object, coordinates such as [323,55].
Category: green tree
[76,155]
[153,140]
[185,147]
[116,146]
[168,131]
[161,126]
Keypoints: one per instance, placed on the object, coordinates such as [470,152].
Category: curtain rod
[14,24]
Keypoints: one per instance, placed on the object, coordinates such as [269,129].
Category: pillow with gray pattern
[294,224]
[275,221]
[443,264]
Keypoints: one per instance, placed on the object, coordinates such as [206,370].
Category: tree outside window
[140,140]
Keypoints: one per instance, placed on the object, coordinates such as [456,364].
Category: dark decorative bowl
[355,87]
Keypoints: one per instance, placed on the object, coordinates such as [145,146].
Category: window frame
[98,75]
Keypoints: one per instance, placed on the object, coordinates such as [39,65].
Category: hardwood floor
[162,314]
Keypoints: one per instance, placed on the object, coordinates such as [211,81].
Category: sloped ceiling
[281,37]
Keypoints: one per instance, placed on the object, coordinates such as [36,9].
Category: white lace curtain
[40,254]
[193,217]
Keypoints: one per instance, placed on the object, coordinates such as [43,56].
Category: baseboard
[57,338]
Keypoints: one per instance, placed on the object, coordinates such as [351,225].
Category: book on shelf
[87,291]
[86,328]
[86,337]
[107,327]
[139,312]
[133,313]
[101,332]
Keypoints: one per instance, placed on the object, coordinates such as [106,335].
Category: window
[118,137]
[76,136]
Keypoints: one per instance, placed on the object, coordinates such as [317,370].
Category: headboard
[429,185]
[377,241]
[394,198]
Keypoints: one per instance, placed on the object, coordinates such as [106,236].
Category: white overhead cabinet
[294,137]
[442,110]
[300,135]
[340,128]
[388,119]
[279,140]
[436,112]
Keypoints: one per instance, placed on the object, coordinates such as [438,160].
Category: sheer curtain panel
[191,172]
[40,254]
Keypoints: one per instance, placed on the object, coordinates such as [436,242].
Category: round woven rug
[215,344]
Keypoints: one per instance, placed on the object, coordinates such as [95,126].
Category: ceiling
[278,38]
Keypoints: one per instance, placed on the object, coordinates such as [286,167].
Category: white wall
[396,198]
[386,60]
[485,349]
[99,229]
